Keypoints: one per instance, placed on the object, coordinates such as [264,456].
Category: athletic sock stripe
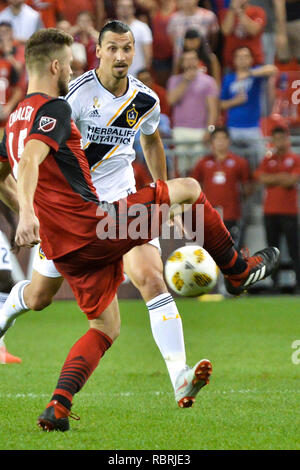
[66,376]
[162,304]
[161,300]
[20,295]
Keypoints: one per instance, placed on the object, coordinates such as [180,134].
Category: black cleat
[55,417]
[260,265]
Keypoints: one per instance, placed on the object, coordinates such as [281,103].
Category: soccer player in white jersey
[109,107]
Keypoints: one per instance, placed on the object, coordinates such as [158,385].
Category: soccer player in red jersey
[60,207]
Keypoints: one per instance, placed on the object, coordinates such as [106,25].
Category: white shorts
[5,261]
[47,268]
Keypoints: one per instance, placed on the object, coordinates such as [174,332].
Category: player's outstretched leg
[239,272]
[80,363]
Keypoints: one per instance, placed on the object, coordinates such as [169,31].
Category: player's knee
[192,187]
[150,279]
[38,301]
[110,329]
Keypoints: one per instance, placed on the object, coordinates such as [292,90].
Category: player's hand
[28,231]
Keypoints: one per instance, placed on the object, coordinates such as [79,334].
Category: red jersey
[239,37]
[48,9]
[65,200]
[279,200]
[71,11]
[221,182]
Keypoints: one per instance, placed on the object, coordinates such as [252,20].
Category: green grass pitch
[252,401]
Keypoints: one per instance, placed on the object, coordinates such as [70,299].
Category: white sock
[167,331]
[14,305]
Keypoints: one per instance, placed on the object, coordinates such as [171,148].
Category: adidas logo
[94,113]
[254,277]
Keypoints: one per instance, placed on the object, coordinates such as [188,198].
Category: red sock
[217,239]
[81,361]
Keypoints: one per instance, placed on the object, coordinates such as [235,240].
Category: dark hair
[218,130]
[279,130]
[43,46]
[203,51]
[6,23]
[243,47]
[114,26]
[192,34]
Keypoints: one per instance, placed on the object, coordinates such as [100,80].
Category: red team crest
[47,124]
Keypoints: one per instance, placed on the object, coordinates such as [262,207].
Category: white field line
[4,395]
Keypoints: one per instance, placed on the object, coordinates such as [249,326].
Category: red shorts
[95,271]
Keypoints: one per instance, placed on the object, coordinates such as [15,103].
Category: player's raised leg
[239,272]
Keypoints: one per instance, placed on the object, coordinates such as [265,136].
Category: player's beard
[63,86]
[120,73]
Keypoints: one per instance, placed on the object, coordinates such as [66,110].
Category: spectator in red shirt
[85,33]
[242,25]
[51,11]
[10,90]
[280,173]
[14,51]
[225,179]
[162,44]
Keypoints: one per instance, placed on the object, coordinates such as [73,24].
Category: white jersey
[108,125]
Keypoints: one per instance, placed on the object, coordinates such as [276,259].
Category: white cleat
[5,323]
[190,381]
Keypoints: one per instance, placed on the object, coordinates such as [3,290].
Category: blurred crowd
[227,73]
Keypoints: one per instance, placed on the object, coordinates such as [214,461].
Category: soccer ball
[190,271]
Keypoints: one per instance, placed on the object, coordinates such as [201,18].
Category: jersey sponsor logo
[131,116]
[47,124]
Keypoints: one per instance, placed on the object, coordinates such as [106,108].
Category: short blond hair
[44,46]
